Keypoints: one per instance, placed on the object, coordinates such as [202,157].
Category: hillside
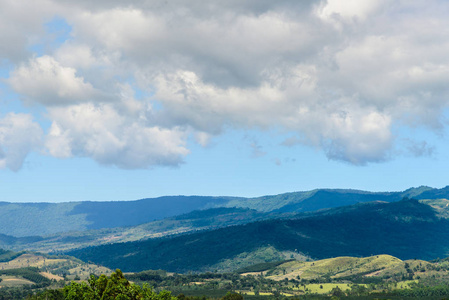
[42,219]
[346,266]
[38,270]
[375,277]
[39,219]
[405,229]
[193,221]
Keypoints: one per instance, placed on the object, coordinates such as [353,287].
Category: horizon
[142,99]
[234,196]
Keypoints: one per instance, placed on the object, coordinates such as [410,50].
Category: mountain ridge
[405,229]
[38,219]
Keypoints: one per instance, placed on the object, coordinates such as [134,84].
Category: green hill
[337,268]
[405,229]
[30,268]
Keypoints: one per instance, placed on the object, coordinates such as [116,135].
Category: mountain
[27,219]
[406,229]
[193,221]
[41,219]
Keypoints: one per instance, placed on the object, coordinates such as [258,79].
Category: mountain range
[406,229]
[193,233]
[31,219]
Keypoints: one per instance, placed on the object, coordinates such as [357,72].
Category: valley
[321,243]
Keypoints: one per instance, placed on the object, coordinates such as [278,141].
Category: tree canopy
[115,287]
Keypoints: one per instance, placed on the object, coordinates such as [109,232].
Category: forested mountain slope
[207,219]
[26,219]
[405,229]
[39,219]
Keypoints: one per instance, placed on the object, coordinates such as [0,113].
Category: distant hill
[207,219]
[405,229]
[28,219]
[40,219]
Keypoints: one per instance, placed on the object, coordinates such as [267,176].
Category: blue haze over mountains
[39,219]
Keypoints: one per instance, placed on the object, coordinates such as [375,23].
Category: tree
[232,296]
[115,287]
[337,292]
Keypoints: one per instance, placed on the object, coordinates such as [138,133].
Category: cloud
[359,139]
[21,24]
[45,81]
[257,150]
[335,75]
[343,128]
[18,136]
[110,138]
[349,10]
[419,148]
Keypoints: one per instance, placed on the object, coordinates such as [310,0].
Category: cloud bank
[134,80]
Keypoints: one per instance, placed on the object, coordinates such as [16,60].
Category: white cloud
[359,138]
[349,10]
[345,130]
[336,75]
[18,136]
[100,132]
[45,81]
[21,25]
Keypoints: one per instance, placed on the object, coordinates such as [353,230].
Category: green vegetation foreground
[114,287]
[104,288]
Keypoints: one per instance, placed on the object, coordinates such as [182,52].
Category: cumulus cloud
[100,132]
[136,79]
[21,25]
[18,136]
[45,81]
[336,11]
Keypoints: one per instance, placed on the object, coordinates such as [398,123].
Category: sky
[123,100]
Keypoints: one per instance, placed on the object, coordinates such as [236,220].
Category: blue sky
[126,100]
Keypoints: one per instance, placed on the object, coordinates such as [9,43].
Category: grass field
[55,268]
[345,268]
[12,281]
[324,288]
[29,260]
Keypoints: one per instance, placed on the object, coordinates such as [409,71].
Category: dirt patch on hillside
[51,276]
[373,274]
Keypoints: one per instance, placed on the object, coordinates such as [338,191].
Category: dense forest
[406,229]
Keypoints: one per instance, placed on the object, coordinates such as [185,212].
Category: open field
[55,268]
[30,260]
[12,281]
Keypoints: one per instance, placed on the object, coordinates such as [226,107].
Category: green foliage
[47,295]
[149,276]
[6,255]
[261,267]
[232,296]
[14,293]
[30,273]
[115,286]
